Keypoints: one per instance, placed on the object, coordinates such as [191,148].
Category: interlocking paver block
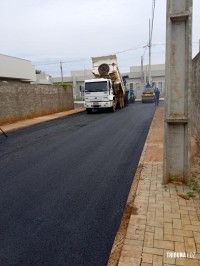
[137,221]
[148,239]
[191,262]
[146,257]
[159,212]
[150,228]
[168,229]
[128,261]
[185,219]
[174,238]
[137,248]
[187,208]
[131,253]
[157,260]
[152,200]
[197,238]
[182,202]
[155,222]
[159,231]
[172,215]
[151,214]
[167,209]
[191,227]
[179,247]
[177,210]
[184,232]
[133,238]
[166,244]
[139,232]
[190,244]
[156,251]
[177,224]
[195,222]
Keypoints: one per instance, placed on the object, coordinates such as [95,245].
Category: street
[64,185]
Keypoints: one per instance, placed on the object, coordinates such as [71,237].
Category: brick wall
[195,97]
[20,101]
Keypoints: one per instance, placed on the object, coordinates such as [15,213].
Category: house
[13,69]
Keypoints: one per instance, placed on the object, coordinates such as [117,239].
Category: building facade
[135,78]
[16,69]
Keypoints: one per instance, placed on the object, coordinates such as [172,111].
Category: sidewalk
[33,121]
[163,225]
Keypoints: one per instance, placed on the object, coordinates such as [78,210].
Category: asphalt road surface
[64,185]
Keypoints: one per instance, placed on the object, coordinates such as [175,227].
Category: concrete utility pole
[142,75]
[149,52]
[178,86]
[61,70]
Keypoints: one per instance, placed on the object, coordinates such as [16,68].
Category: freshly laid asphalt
[64,185]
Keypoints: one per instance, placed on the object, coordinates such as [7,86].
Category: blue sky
[51,31]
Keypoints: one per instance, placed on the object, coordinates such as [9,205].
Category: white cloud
[60,30]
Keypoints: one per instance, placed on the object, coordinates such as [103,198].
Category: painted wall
[16,68]
[21,101]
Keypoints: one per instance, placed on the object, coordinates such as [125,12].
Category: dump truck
[106,89]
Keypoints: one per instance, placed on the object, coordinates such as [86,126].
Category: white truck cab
[98,93]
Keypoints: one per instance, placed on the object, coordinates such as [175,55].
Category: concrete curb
[37,120]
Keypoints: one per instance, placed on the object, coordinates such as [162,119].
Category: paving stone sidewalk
[164,228]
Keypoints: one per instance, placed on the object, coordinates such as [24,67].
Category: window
[96,86]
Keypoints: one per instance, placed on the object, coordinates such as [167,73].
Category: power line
[87,58]
[64,62]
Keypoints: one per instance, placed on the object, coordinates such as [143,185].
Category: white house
[16,69]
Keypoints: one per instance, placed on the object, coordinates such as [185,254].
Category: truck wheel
[89,110]
[121,103]
[113,108]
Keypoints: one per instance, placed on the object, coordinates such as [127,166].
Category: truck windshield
[96,86]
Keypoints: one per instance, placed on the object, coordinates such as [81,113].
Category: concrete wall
[20,101]
[196,97]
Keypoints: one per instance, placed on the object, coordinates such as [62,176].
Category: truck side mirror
[82,88]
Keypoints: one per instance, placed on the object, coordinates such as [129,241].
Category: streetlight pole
[61,70]
[142,74]
[149,52]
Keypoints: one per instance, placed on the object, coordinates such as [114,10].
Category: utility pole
[61,70]
[177,123]
[149,52]
[142,75]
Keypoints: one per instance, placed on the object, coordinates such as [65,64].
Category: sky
[48,32]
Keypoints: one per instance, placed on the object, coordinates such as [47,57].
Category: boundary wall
[195,97]
[22,101]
